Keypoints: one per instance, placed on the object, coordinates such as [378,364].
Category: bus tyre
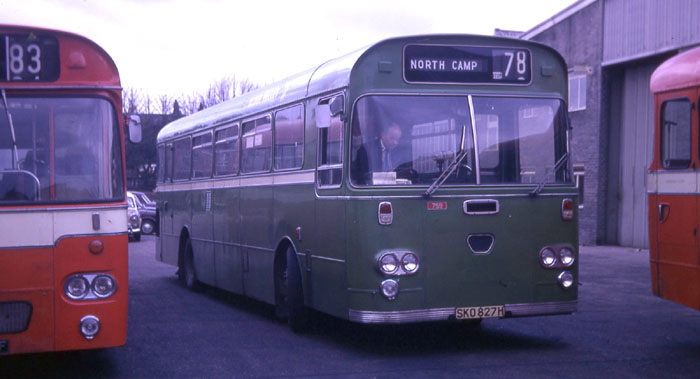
[187,274]
[297,314]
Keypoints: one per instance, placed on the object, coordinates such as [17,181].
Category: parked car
[133,221]
[145,200]
[147,210]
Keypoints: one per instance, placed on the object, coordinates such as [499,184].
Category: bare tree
[135,101]
[165,103]
[189,103]
[131,100]
[246,86]
[146,104]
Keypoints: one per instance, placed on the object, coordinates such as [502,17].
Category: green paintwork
[236,240]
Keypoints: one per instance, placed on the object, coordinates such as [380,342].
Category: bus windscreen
[411,140]
[67,150]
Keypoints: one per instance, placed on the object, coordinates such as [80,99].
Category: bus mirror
[323,116]
[134,124]
[336,105]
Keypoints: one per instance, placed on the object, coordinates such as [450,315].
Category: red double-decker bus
[674,181]
[63,212]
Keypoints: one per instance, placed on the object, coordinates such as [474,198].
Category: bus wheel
[297,314]
[187,274]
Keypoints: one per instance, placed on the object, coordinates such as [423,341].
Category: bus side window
[289,138]
[182,152]
[226,151]
[330,165]
[168,164]
[675,133]
[257,145]
[202,150]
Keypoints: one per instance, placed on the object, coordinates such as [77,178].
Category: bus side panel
[227,228]
[258,242]
[294,208]
[29,280]
[72,256]
[181,205]
[328,288]
[202,236]
[653,216]
[167,238]
[679,278]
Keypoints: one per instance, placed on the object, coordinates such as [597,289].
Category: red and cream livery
[63,219]
[673,182]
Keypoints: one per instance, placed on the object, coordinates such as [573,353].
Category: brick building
[611,48]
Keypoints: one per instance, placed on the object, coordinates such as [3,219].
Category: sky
[180,47]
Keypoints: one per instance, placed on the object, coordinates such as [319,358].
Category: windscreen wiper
[564,158]
[446,174]
[460,156]
[15,155]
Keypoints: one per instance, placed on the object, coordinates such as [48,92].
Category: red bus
[673,183]
[63,216]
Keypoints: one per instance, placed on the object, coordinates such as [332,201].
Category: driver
[384,154]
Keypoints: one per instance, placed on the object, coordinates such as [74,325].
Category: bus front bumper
[444,314]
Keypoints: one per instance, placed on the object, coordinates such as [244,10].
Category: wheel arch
[280,262]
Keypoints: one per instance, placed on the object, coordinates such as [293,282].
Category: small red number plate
[437,205]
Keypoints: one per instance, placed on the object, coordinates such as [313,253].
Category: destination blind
[459,64]
[29,58]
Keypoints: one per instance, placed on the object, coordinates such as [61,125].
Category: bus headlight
[103,286]
[390,288]
[94,286]
[89,326]
[388,263]
[566,279]
[77,287]
[547,257]
[566,256]
[409,262]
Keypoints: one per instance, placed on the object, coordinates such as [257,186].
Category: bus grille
[14,316]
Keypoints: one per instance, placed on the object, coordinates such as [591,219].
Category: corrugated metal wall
[635,154]
[638,28]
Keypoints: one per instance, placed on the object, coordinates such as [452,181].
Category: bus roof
[81,62]
[680,71]
[334,73]
[331,76]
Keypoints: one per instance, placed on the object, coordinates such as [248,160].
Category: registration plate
[4,346]
[464,313]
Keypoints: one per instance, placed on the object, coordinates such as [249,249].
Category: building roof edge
[557,18]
